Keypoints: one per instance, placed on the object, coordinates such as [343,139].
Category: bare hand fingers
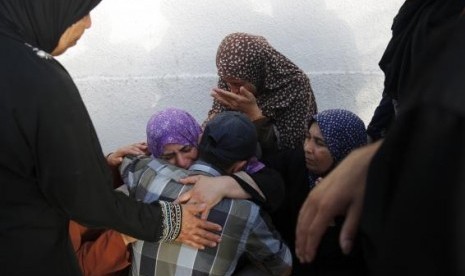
[195,209]
[205,213]
[197,241]
[228,99]
[314,234]
[197,230]
[350,227]
[193,244]
[206,238]
[141,144]
[135,151]
[246,93]
[184,197]
[311,225]
[229,96]
[306,215]
[190,180]
[131,149]
[224,101]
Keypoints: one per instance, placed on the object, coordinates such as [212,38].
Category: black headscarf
[416,35]
[41,23]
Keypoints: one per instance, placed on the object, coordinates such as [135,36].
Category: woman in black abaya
[51,164]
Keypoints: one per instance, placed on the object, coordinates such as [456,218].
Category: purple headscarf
[171,126]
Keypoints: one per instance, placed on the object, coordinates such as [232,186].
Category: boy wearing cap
[228,141]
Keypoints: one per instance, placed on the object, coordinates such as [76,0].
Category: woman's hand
[210,190]
[244,101]
[197,232]
[115,158]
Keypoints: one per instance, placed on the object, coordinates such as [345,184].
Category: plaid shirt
[246,229]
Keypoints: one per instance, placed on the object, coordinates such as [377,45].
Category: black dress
[51,165]
[414,213]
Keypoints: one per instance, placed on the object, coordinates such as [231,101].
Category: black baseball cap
[229,136]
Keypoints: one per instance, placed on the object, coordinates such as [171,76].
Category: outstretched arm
[339,193]
[211,190]
[265,187]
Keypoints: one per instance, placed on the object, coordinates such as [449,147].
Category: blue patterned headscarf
[171,126]
[342,130]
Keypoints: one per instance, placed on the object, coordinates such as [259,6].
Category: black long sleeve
[52,169]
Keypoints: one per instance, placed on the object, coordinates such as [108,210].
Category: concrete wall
[141,56]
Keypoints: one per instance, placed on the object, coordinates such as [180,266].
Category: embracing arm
[271,184]
[114,159]
[265,187]
[79,183]
[211,190]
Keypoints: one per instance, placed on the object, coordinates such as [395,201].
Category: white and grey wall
[142,56]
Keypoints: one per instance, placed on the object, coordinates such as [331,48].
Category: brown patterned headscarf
[283,93]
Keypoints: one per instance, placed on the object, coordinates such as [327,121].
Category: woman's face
[179,155]
[235,84]
[70,37]
[318,158]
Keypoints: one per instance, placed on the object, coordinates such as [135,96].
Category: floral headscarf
[342,130]
[171,126]
[284,93]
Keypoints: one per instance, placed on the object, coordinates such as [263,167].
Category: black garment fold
[52,168]
[413,221]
